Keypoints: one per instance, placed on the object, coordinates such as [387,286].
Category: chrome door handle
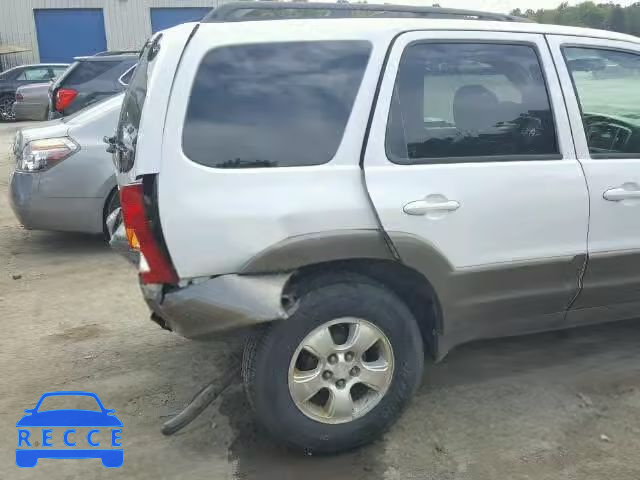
[422,207]
[619,194]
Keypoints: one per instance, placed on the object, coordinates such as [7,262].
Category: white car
[363,191]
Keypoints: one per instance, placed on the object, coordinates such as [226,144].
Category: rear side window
[131,111]
[465,102]
[87,71]
[42,73]
[57,71]
[274,104]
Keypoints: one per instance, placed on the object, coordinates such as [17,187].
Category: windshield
[7,74]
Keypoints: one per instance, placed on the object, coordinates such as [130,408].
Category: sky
[499,6]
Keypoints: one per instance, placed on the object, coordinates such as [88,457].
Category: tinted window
[8,74]
[86,71]
[607,83]
[57,71]
[278,104]
[131,112]
[458,102]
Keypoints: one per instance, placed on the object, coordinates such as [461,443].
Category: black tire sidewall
[271,398]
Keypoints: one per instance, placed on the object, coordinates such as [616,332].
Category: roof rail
[109,53]
[252,11]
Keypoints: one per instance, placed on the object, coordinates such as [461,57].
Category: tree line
[606,16]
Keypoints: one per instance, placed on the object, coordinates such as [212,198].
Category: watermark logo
[91,432]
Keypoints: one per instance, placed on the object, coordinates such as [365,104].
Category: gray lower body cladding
[217,304]
[494,300]
[477,302]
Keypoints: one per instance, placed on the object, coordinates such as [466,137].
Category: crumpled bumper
[200,307]
[218,304]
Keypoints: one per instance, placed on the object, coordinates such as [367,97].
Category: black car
[13,78]
[89,80]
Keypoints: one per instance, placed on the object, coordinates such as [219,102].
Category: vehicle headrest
[475,108]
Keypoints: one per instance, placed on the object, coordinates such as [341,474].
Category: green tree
[608,16]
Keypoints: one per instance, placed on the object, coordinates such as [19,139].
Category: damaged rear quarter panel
[215,220]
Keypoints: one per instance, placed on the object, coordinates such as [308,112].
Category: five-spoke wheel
[341,370]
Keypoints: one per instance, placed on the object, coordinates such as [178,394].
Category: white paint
[215,220]
[509,211]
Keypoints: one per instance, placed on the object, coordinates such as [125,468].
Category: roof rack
[252,11]
[109,53]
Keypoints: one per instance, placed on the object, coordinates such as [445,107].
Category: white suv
[368,190]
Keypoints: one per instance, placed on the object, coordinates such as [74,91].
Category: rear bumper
[29,111]
[218,304]
[35,210]
[211,305]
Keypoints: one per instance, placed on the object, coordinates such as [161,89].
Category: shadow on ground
[590,359]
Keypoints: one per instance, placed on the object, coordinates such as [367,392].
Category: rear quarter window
[273,104]
[87,71]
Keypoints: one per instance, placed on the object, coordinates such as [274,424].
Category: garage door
[66,33]
[162,18]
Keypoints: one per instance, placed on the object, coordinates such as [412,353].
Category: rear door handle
[619,194]
[422,207]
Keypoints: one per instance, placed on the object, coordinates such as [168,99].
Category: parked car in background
[89,80]
[363,191]
[15,77]
[63,178]
[32,102]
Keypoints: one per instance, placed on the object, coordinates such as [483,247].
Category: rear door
[472,171]
[601,80]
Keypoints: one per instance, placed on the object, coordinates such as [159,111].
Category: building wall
[127,22]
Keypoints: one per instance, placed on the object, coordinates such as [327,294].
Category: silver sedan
[63,177]
[32,102]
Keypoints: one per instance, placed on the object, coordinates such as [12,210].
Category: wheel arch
[358,251]
[413,288]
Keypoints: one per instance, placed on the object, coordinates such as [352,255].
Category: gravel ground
[551,406]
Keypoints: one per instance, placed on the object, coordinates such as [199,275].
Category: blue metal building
[58,30]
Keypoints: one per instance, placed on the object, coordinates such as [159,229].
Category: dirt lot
[553,406]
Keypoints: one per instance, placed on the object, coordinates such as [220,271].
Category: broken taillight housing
[155,266]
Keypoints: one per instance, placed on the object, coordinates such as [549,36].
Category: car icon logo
[36,437]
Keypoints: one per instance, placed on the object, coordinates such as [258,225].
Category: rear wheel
[6,108]
[110,206]
[339,371]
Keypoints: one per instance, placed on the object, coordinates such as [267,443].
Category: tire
[112,203]
[267,364]
[6,112]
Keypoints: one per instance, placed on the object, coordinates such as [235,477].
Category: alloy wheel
[341,370]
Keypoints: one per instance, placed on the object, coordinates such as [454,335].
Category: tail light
[155,266]
[64,98]
[19,97]
[45,153]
